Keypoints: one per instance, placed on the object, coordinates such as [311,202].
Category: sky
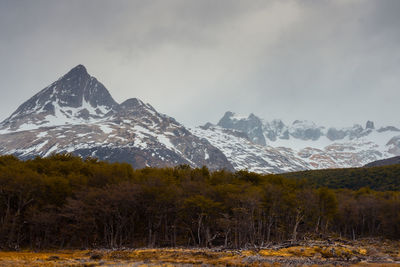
[333,62]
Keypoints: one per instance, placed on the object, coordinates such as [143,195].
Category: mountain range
[274,146]
[77,114]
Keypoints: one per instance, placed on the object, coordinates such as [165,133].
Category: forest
[63,201]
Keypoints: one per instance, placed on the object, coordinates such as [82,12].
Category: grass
[315,254]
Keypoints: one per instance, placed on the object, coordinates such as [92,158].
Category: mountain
[77,114]
[258,145]
[384,162]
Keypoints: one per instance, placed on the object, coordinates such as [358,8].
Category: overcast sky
[333,62]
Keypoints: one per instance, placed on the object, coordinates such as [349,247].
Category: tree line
[64,201]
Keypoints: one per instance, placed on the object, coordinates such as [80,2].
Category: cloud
[335,62]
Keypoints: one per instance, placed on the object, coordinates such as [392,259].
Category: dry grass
[356,254]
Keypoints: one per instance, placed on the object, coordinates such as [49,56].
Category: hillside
[382,178]
[384,162]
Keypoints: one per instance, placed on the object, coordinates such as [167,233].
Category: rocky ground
[305,253]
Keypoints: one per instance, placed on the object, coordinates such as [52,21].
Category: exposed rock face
[334,134]
[305,130]
[251,125]
[369,125]
[276,129]
[77,114]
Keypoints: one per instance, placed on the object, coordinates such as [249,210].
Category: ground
[305,253]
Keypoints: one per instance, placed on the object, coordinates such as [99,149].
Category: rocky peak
[131,104]
[306,130]
[334,134]
[276,129]
[77,88]
[252,126]
[75,97]
[135,108]
[370,125]
[227,120]
[78,70]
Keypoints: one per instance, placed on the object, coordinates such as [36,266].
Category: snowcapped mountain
[73,99]
[77,114]
[259,145]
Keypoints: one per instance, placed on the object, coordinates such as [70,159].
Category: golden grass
[325,255]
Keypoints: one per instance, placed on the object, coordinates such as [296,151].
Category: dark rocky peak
[370,125]
[334,134]
[74,90]
[254,121]
[230,120]
[136,108]
[226,121]
[76,95]
[306,130]
[131,104]
[78,71]
[77,87]
[252,126]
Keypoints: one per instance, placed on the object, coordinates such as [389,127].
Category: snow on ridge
[238,117]
[298,144]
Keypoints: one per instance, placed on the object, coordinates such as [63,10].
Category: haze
[333,62]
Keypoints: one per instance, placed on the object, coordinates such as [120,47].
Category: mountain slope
[380,178]
[244,154]
[76,114]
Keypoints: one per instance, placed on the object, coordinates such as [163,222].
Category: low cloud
[334,62]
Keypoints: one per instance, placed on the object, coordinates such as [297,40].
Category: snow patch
[106,128]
